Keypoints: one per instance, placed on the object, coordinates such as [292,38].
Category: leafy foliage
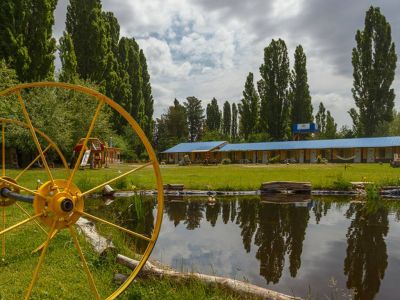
[273,90]
[214,116]
[374,62]
[301,107]
[26,41]
[249,108]
[195,116]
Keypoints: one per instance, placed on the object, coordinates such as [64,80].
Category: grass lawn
[229,177]
[62,276]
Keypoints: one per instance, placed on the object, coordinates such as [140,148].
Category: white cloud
[206,48]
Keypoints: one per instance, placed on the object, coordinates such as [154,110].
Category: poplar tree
[249,108]
[326,123]
[320,117]
[227,119]
[213,116]
[374,62]
[300,99]
[87,27]
[68,59]
[147,96]
[273,90]
[195,117]
[26,41]
[234,126]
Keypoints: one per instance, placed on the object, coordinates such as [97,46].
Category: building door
[301,156]
[370,155]
[357,155]
[313,156]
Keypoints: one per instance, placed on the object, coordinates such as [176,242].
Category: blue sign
[305,128]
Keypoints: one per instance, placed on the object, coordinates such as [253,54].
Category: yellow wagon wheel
[11,183]
[59,203]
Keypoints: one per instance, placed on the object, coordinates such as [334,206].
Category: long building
[357,150]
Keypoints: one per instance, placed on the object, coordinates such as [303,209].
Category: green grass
[230,177]
[62,276]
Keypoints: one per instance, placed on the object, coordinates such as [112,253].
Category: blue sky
[206,48]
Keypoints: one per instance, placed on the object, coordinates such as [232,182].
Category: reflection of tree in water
[226,207]
[247,218]
[176,211]
[298,220]
[270,238]
[320,208]
[233,210]
[281,230]
[194,214]
[212,212]
[366,259]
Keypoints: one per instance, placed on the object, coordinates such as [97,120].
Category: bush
[226,161]
[341,184]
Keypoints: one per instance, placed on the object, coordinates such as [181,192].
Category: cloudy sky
[206,48]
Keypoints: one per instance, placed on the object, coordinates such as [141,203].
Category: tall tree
[326,123]
[172,127]
[374,62]
[331,127]
[26,41]
[147,95]
[234,133]
[249,108]
[213,116]
[273,90]
[195,115]
[68,59]
[301,107]
[227,120]
[86,25]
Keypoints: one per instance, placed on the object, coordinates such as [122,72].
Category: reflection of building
[357,150]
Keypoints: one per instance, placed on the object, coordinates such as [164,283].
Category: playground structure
[59,203]
[97,154]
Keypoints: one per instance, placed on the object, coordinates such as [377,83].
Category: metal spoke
[34,137]
[117,178]
[116,226]
[3,244]
[31,164]
[3,149]
[20,223]
[20,187]
[29,215]
[78,161]
[44,244]
[40,262]
[84,263]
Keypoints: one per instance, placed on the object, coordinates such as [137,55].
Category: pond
[325,247]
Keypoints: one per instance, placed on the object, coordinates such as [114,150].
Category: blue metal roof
[195,147]
[390,141]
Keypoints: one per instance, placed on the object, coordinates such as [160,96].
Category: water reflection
[367,258]
[273,238]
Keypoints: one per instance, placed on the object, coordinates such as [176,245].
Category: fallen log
[100,244]
[237,286]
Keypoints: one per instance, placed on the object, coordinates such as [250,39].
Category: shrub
[341,184]
[226,161]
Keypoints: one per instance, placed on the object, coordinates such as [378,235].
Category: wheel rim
[67,195]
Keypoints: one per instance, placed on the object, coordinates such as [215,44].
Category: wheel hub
[58,203]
